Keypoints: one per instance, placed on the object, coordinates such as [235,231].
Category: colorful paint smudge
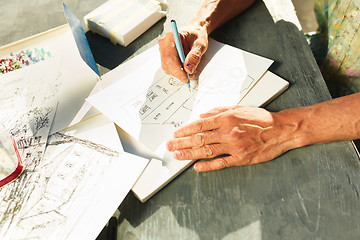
[339,24]
[23,59]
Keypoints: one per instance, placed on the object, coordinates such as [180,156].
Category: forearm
[214,13]
[334,120]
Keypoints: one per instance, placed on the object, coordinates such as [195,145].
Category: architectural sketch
[52,72]
[64,176]
[36,205]
[69,194]
[58,190]
[68,176]
[27,111]
[29,99]
[30,130]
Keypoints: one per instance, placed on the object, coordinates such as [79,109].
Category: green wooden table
[308,193]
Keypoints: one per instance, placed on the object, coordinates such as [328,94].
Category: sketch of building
[30,130]
[63,173]
[47,200]
[29,102]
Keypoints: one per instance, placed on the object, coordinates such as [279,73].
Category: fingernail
[190,68]
[176,134]
[177,155]
[169,146]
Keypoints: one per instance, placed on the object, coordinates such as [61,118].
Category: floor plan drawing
[160,106]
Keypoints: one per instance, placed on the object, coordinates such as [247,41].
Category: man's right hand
[194,41]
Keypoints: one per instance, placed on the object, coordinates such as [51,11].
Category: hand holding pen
[179,48]
[194,42]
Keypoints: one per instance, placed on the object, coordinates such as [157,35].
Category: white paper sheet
[61,78]
[74,189]
[150,105]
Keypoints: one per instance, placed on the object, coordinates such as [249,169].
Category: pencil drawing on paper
[163,99]
[30,130]
[31,87]
[56,190]
[168,100]
[47,192]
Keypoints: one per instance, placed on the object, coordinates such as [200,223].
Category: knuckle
[168,35]
[175,145]
[208,151]
[218,109]
[199,127]
[200,139]
[188,154]
[195,56]
[223,163]
[202,48]
[166,40]
[231,117]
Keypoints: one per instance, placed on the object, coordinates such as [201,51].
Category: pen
[179,48]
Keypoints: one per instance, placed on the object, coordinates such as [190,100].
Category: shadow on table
[109,56]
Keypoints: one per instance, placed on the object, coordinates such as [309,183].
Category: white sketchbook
[150,105]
